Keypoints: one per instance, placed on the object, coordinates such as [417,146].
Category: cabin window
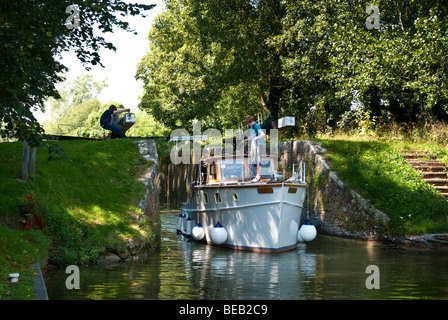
[205,197]
[212,172]
[218,197]
[231,169]
[198,198]
[235,197]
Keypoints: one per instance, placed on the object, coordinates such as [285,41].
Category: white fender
[198,232]
[308,231]
[218,234]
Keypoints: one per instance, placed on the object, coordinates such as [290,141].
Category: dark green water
[326,268]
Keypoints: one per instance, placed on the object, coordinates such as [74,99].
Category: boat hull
[256,217]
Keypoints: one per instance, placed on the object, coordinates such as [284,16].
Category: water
[327,268]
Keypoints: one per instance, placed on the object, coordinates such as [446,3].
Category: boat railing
[299,175]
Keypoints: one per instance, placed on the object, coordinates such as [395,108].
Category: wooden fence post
[25,156]
[33,160]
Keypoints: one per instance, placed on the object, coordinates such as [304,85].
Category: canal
[327,268]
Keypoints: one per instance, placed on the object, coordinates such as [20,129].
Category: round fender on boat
[189,227]
[179,224]
[198,232]
[184,223]
[218,234]
[299,238]
[307,231]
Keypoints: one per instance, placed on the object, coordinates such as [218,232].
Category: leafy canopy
[316,60]
[32,34]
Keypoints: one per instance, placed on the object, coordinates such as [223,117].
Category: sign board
[286,122]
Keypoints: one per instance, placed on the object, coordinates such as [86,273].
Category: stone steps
[432,170]
[411,156]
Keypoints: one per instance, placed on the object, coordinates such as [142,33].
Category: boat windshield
[232,169]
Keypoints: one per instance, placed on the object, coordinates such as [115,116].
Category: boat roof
[229,156]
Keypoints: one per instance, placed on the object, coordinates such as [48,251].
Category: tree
[32,33]
[332,59]
[306,44]
[72,94]
[311,59]
[209,61]
[398,69]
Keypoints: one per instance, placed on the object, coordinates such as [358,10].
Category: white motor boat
[229,210]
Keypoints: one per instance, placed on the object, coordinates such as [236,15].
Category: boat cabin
[233,169]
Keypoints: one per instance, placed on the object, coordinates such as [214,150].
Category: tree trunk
[262,97]
[375,102]
[32,160]
[275,93]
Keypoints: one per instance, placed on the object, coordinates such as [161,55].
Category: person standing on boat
[256,138]
[106,123]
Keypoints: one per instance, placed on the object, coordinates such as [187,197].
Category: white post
[32,160]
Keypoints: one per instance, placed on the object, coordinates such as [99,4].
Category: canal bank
[146,217]
[149,207]
[39,287]
[337,210]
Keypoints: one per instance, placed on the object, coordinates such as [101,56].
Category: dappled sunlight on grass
[17,251]
[89,199]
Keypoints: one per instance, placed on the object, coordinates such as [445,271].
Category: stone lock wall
[149,207]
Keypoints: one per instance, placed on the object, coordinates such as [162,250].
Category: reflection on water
[326,268]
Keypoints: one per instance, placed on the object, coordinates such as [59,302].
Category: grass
[17,251]
[377,170]
[88,195]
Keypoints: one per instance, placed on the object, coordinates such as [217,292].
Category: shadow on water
[326,268]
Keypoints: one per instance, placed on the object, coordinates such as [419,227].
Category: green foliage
[396,69]
[32,33]
[83,119]
[56,151]
[314,60]
[78,112]
[69,239]
[73,94]
[357,121]
[214,72]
